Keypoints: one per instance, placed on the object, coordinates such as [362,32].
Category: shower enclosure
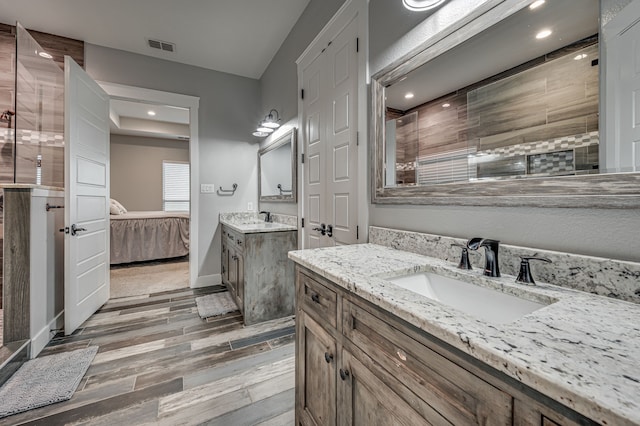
[31,119]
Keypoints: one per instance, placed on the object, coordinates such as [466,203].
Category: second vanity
[371,352]
[255,267]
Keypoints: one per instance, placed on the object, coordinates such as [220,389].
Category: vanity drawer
[449,389]
[317,300]
[232,237]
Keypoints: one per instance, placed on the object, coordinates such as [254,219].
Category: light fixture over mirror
[271,121]
[268,125]
[420,5]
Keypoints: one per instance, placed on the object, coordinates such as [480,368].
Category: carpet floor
[140,278]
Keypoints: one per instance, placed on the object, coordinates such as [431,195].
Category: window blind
[445,167]
[175,186]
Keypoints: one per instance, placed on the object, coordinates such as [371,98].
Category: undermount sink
[481,302]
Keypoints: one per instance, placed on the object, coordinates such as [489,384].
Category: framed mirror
[504,111]
[277,169]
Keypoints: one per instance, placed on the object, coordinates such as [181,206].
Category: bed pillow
[116,208]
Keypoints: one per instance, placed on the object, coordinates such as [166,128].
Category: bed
[149,235]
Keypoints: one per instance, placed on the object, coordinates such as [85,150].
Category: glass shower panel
[39,119]
[7,104]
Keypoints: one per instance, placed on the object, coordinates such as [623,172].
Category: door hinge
[357,44]
[302,225]
[302,158]
[301,93]
[357,232]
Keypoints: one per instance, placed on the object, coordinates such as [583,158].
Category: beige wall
[136,169]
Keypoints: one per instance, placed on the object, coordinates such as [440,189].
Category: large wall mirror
[504,111]
[277,169]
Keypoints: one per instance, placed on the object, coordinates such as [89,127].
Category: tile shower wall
[546,106]
[605,277]
[38,135]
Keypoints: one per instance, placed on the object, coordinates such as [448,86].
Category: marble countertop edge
[490,343]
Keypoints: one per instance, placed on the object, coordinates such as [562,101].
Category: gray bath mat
[215,304]
[44,381]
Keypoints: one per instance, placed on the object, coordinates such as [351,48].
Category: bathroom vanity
[371,352]
[255,267]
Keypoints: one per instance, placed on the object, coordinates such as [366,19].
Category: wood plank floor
[159,363]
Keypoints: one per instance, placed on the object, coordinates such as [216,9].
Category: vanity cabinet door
[225,262]
[315,373]
[366,399]
[529,412]
[239,268]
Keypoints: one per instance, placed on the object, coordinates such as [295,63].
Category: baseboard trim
[42,337]
[207,280]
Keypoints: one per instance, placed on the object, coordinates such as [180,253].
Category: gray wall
[597,232]
[228,107]
[136,169]
[279,82]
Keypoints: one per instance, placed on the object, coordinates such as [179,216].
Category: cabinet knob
[344,374]
[315,297]
[239,242]
[328,357]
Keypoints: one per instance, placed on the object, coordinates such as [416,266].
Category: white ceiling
[132,118]
[234,36]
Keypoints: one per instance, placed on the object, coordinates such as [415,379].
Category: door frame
[350,10]
[139,94]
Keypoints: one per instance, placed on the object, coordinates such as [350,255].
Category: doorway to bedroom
[150,198]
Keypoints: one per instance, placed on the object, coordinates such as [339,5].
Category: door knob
[75,229]
[322,229]
[329,230]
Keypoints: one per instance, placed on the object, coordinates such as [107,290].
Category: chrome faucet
[491,267]
[267,216]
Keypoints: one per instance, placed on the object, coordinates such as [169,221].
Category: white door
[86,250]
[330,143]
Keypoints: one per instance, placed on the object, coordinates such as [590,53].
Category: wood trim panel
[17,261]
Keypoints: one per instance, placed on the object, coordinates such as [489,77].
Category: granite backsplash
[597,275]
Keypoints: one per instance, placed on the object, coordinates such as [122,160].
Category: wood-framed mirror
[277,169]
[490,115]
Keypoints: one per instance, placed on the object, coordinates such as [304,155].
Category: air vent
[162,45]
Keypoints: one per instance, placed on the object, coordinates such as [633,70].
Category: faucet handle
[464,258]
[524,276]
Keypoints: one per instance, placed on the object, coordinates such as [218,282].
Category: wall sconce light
[268,125]
[420,5]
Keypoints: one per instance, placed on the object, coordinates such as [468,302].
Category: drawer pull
[315,297]
[344,374]
[328,357]
[230,236]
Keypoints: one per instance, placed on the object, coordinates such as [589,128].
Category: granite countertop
[582,350]
[255,226]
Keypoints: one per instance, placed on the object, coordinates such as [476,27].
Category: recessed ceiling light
[446,105]
[536,4]
[151,113]
[580,56]
[45,55]
[419,5]
[543,34]
[408,95]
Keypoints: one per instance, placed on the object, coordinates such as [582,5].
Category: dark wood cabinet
[317,357]
[360,365]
